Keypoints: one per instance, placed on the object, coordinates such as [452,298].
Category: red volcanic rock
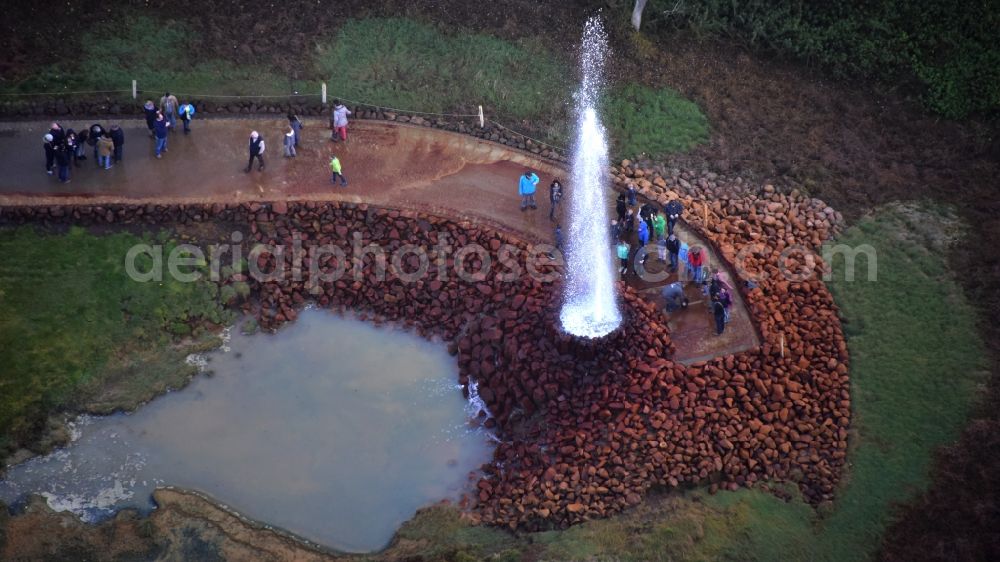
[588,426]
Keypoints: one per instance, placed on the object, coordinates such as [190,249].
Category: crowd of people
[649,224]
[66,149]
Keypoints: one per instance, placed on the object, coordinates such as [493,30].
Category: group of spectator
[66,148]
[162,119]
[651,224]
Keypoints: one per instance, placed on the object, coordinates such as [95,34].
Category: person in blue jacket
[526,189]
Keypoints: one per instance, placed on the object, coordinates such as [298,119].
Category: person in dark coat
[256,149]
[621,207]
[719,312]
[149,109]
[673,210]
[118,138]
[96,132]
[62,157]
[631,195]
[673,250]
[71,147]
[296,124]
[555,195]
[81,145]
[50,152]
[646,214]
[57,132]
[161,128]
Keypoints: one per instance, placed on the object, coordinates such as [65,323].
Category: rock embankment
[586,427]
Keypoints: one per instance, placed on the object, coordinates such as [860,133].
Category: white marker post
[135,89]
[482,119]
[324,92]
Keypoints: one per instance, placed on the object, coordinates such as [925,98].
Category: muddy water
[332,429]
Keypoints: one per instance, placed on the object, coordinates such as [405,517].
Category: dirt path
[387,164]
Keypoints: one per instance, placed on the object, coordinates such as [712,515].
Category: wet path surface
[315,429]
[388,164]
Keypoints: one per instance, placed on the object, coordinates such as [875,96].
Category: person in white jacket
[338,121]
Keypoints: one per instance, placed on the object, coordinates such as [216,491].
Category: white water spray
[590,307]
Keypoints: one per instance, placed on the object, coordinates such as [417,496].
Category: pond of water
[333,429]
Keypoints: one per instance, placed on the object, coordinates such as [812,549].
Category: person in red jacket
[696,259]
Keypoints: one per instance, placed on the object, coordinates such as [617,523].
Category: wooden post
[782,346]
[135,89]
[706,213]
[323,95]
[482,118]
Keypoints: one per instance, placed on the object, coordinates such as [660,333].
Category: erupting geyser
[590,307]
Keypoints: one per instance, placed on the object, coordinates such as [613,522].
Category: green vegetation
[156,53]
[406,64]
[653,122]
[950,49]
[915,364]
[76,330]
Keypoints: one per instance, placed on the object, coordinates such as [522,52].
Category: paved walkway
[387,164]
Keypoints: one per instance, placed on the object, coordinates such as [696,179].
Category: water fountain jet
[590,307]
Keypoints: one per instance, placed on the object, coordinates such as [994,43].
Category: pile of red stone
[586,426]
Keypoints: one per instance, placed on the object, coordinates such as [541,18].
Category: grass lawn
[158,54]
[916,363]
[388,62]
[73,322]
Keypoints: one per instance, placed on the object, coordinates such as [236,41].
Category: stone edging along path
[586,427]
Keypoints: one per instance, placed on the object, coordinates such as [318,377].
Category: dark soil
[774,120]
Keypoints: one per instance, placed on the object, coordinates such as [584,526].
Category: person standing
[160,129]
[118,138]
[57,132]
[105,148]
[50,152]
[673,210]
[623,251]
[526,188]
[256,149]
[168,107]
[659,225]
[629,224]
[621,207]
[719,312]
[643,234]
[338,120]
[296,124]
[149,109]
[187,112]
[96,132]
[632,196]
[62,158]
[289,143]
[674,250]
[337,170]
[696,259]
[555,195]
[71,147]
[646,214]
[682,255]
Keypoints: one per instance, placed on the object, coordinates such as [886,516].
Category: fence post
[324,92]
[135,89]
[482,120]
